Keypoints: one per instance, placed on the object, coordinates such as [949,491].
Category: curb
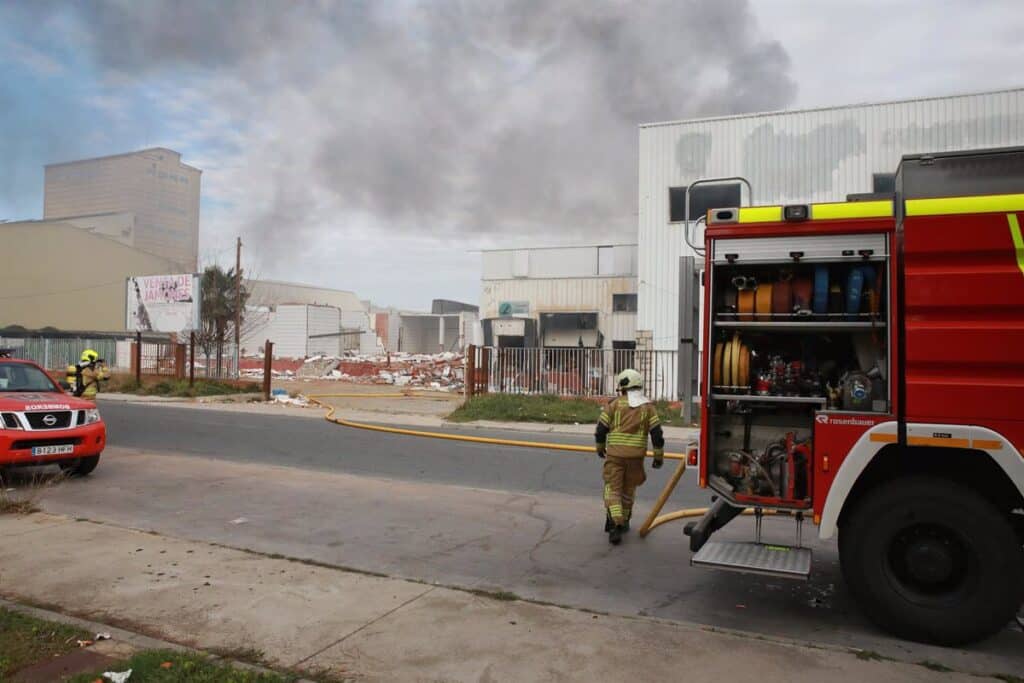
[136,640]
[131,398]
[158,400]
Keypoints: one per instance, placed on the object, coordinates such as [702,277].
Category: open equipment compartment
[798,329]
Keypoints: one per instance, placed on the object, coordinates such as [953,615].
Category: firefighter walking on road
[621,439]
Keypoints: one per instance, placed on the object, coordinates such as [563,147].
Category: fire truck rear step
[755,558]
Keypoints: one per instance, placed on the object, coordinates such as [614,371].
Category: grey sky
[371,145]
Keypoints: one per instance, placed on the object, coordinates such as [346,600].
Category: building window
[883,182]
[624,303]
[703,198]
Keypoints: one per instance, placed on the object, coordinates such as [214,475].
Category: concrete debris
[285,399]
[117,676]
[439,372]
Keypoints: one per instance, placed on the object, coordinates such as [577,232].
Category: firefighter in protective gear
[71,377]
[621,439]
[93,371]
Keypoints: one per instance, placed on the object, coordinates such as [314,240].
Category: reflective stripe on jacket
[628,427]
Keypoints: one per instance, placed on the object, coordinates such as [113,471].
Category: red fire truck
[864,368]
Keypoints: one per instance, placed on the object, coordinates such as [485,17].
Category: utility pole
[238,303]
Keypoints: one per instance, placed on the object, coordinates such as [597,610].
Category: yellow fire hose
[653,519]
[451,437]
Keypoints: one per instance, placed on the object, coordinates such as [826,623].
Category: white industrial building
[817,155]
[303,321]
[449,327]
[567,297]
[433,332]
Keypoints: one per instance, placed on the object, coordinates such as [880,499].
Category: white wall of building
[794,157]
[559,262]
[358,320]
[288,331]
[323,320]
[293,328]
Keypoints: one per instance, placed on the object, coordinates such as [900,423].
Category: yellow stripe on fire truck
[946,206]
[817,212]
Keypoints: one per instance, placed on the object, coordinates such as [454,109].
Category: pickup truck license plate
[53,450]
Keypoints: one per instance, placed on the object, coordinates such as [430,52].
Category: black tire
[80,467]
[930,560]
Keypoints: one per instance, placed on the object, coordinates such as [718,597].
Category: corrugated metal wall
[322,320]
[559,262]
[356,320]
[623,327]
[565,295]
[288,332]
[791,157]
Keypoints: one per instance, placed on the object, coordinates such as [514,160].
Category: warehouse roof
[858,105]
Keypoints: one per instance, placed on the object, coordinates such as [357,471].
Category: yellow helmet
[629,379]
[90,356]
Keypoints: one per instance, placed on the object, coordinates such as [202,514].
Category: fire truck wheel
[932,561]
[81,466]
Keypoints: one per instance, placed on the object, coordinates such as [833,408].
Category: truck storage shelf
[753,398]
[797,325]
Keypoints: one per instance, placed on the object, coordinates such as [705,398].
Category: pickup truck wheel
[81,466]
[931,560]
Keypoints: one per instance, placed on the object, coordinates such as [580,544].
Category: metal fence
[159,356]
[56,353]
[207,366]
[573,372]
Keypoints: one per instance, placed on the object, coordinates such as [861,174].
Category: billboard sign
[163,303]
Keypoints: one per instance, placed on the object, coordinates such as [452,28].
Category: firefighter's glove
[659,458]
[600,448]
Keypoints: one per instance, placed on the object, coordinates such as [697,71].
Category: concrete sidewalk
[377,628]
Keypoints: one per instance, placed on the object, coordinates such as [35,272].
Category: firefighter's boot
[608,523]
[615,535]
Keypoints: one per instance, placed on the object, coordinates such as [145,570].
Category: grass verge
[546,408]
[165,666]
[25,640]
[126,384]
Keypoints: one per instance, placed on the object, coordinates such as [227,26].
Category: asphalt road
[467,515]
[317,444]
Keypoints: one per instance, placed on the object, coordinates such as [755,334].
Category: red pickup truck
[42,425]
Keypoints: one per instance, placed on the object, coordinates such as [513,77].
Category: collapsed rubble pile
[440,372]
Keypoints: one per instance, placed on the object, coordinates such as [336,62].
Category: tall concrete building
[158,193]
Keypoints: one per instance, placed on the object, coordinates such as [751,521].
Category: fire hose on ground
[654,519]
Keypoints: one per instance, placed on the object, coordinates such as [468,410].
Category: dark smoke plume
[448,117]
